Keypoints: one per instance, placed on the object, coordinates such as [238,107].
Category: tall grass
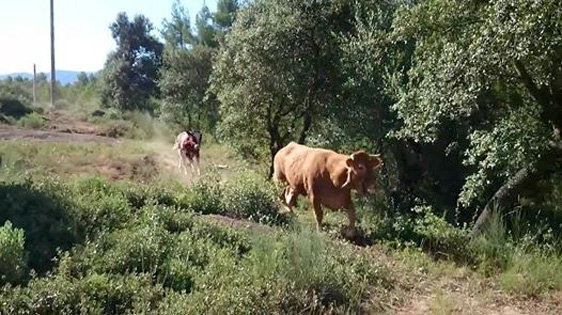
[524,266]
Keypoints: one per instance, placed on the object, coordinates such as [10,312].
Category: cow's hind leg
[191,165]
[198,166]
[350,231]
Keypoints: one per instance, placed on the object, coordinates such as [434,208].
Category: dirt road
[12,133]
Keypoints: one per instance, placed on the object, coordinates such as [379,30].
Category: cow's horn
[348,180]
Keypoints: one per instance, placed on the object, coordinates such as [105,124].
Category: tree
[184,83]
[206,33]
[276,72]
[226,12]
[177,31]
[130,73]
[41,77]
[224,17]
[372,63]
[187,66]
[494,68]
[83,78]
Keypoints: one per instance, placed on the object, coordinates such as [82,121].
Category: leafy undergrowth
[92,246]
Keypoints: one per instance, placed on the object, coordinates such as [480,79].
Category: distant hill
[63,76]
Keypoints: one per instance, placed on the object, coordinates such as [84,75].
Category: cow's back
[303,167]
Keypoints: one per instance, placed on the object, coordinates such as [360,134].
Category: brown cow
[326,177]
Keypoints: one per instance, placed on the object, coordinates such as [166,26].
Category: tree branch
[527,176]
[541,95]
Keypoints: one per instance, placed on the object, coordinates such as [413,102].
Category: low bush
[116,128]
[134,248]
[13,106]
[32,121]
[441,238]
[249,196]
[93,294]
[245,195]
[44,212]
[12,254]
[285,273]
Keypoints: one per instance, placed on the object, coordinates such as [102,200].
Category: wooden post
[34,85]
[53,75]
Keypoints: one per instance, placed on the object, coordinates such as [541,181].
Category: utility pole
[53,75]
[34,85]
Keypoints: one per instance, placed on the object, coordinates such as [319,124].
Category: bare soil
[13,133]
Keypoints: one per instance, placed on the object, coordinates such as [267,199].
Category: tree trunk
[524,178]
[273,147]
[306,126]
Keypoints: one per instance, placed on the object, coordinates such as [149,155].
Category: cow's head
[360,171]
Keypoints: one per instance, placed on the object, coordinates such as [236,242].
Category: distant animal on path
[188,145]
[326,177]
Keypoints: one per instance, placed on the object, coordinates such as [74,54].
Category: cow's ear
[376,161]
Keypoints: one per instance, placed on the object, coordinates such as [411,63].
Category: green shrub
[205,196]
[44,212]
[113,113]
[116,128]
[140,249]
[175,220]
[32,120]
[94,294]
[249,196]
[12,254]
[441,238]
[12,106]
[62,104]
[283,273]
[144,123]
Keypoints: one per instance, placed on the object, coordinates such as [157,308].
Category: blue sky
[82,37]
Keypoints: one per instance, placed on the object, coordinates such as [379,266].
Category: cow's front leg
[288,199]
[192,166]
[350,231]
[182,162]
[198,165]
[318,214]
[179,160]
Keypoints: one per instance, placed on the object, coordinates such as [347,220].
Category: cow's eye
[361,167]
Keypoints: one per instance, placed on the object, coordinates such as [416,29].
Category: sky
[82,36]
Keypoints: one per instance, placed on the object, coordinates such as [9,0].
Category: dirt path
[447,295]
[11,133]
[60,128]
